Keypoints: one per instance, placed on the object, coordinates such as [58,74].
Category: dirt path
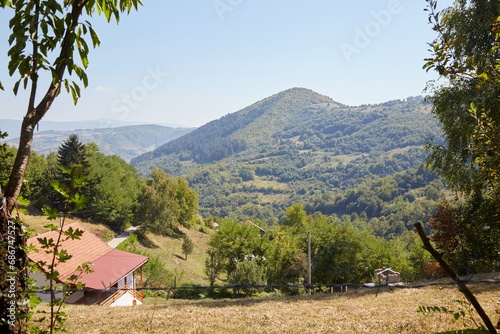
[124,235]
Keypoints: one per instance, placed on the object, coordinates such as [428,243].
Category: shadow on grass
[145,241]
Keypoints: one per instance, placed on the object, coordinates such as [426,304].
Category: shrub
[247,274]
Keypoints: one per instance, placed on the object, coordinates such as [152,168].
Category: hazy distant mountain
[12,127]
[294,146]
[126,142]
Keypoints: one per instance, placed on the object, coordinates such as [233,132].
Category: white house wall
[42,282]
[125,300]
[130,280]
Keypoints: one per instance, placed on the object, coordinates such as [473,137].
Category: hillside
[126,141]
[297,146]
[169,250]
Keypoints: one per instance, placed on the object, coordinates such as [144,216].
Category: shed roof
[386,271]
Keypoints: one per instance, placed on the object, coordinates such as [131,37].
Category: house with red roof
[114,278]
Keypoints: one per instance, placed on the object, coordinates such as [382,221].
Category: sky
[188,62]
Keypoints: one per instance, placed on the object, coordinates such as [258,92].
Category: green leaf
[473,107]
[51,213]
[93,35]
[54,275]
[34,301]
[63,256]
[483,76]
[52,227]
[16,87]
[73,234]
[23,201]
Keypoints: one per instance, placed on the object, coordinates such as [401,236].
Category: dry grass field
[357,311]
[38,221]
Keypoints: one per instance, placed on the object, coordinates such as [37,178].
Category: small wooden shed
[388,275]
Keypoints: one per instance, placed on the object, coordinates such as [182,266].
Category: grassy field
[358,311]
[190,271]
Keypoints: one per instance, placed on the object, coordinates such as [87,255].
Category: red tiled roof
[109,264]
[111,267]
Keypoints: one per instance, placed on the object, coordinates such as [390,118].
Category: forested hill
[249,129]
[294,146]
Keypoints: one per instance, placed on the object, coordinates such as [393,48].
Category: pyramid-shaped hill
[248,129]
[270,125]
[298,146]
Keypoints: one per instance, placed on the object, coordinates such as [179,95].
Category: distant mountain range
[13,126]
[294,146]
[125,141]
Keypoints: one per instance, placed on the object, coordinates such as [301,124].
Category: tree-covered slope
[246,130]
[295,146]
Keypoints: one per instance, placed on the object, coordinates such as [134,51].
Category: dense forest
[300,146]
[113,192]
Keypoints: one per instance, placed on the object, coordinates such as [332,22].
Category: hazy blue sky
[189,62]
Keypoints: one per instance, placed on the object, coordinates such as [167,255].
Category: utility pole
[309,266]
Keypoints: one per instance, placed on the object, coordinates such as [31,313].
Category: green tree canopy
[466,54]
[296,216]
[230,244]
[113,188]
[165,203]
[72,152]
[187,246]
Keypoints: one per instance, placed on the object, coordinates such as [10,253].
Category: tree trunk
[461,285]
[15,278]
[13,270]
[14,301]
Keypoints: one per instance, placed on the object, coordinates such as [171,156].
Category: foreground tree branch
[461,285]
[34,49]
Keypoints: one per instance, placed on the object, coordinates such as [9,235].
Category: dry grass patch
[358,311]
[169,250]
[38,221]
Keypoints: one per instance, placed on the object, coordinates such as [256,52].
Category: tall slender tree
[72,152]
[466,55]
[47,36]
